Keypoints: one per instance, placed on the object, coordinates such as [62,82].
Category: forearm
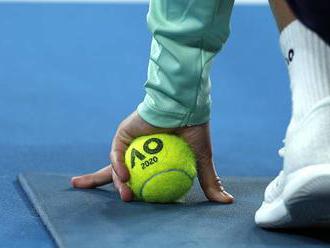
[186,37]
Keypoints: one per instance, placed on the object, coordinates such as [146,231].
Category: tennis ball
[162,168]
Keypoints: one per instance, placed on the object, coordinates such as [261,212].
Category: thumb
[211,184]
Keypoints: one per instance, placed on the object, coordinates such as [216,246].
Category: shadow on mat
[318,233]
[109,193]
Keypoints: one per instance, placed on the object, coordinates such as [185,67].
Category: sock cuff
[299,35]
[308,60]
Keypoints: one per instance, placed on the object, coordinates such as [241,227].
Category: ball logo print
[162,168]
[148,148]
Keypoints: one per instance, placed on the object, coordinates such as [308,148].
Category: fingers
[199,139]
[129,129]
[132,127]
[93,180]
[211,184]
[100,178]
[125,192]
[117,156]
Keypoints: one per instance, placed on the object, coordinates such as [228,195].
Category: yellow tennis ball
[162,168]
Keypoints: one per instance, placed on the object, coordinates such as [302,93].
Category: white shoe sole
[304,201]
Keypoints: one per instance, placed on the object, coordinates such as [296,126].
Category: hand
[134,126]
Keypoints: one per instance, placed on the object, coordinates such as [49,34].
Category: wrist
[171,116]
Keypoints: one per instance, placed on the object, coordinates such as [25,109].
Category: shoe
[300,195]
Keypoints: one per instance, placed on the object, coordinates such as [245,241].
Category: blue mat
[97,218]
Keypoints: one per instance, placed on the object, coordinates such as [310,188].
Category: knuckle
[112,156]
[121,126]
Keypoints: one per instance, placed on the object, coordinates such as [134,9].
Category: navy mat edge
[44,218]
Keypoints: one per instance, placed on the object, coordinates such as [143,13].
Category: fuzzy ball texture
[162,168]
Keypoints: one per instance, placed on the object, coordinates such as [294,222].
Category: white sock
[308,59]
[307,140]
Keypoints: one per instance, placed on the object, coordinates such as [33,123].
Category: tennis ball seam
[162,172]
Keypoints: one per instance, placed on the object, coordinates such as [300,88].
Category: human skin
[282,13]
[134,126]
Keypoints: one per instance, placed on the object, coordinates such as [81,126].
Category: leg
[299,196]
[282,13]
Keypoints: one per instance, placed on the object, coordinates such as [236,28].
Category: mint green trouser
[186,35]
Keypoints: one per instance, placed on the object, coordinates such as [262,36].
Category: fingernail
[227,196]
[73,179]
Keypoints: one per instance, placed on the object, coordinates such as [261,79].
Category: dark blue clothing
[314,14]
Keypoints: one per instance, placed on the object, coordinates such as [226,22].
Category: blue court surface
[69,73]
